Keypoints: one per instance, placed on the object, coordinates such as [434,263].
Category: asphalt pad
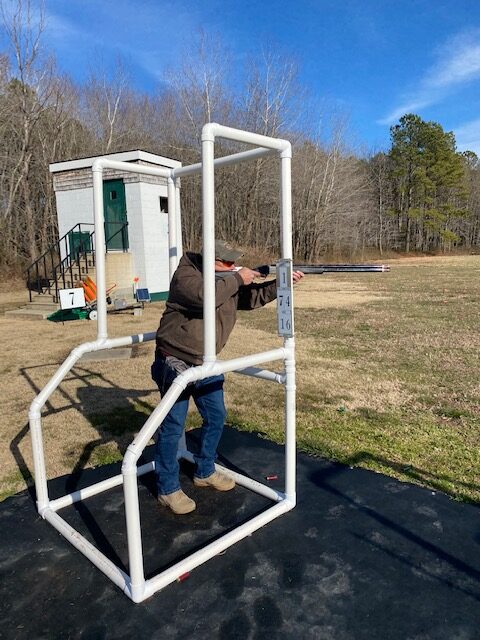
[362,556]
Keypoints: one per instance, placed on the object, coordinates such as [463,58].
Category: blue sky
[371,59]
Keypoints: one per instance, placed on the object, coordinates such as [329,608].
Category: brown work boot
[217,480]
[178,502]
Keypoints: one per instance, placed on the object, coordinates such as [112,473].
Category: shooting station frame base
[134,584]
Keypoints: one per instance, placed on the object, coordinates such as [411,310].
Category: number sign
[72,298]
[284,298]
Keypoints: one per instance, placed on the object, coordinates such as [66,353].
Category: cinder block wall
[119,270]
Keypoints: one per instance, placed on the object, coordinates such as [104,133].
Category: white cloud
[61,30]
[457,63]
[406,107]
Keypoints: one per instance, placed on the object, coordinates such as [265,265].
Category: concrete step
[90,266]
[27,313]
[42,306]
[72,279]
[42,298]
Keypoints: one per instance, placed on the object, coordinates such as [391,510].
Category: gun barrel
[329,268]
[342,268]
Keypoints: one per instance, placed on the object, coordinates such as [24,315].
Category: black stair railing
[79,257]
[44,274]
[50,272]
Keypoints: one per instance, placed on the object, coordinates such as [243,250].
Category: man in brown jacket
[179,345]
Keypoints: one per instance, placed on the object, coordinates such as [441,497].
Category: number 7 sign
[72,298]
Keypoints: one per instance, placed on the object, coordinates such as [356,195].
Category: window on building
[163,204]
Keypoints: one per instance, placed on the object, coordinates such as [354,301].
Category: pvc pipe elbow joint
[291,500]
[35,409]
[209,132]
[287,151]
[42,509]
[98,164]
[129,464]
[186,377]
[135,592]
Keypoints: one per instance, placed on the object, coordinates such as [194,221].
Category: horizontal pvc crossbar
[214,130]
[235,158]
[105,163]
[263,374]
[94,489]
[244,481]
[242,156]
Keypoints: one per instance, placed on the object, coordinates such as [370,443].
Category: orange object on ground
[90,289]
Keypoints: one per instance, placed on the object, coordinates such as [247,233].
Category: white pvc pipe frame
[134,585]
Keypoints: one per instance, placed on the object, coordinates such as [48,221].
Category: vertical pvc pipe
[208,203]
[99,250]
[290,387]
[182,444]
[134,534]
[40,474]
[290,426]
[172,228]
[286,204]
[178,213]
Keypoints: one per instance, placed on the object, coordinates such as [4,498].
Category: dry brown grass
[32,352]
[387,372]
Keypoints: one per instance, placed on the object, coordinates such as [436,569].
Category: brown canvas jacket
[180,333]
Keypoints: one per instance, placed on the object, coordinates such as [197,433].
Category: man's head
[225,255]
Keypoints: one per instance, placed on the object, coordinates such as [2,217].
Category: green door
[115,209]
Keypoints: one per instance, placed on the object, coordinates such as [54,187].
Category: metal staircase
[52,272]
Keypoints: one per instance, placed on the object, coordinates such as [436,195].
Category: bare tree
[39,123]
[104,96]
[28,94]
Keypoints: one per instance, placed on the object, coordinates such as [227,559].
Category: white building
[136,221]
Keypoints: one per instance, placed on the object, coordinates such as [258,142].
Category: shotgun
[270,269]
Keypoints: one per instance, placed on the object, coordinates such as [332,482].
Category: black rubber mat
[361,557]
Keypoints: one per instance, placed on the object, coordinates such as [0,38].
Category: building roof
[122,156]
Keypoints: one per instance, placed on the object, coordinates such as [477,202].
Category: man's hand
[248,275]
[297,276]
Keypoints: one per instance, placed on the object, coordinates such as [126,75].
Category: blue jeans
[208,396]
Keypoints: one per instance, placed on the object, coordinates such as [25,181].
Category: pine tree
[429,180]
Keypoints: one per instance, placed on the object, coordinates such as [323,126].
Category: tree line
[420,195]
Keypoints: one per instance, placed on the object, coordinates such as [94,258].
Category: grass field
[388,379]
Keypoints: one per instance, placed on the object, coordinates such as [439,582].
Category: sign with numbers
[72,298]
[284,298]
